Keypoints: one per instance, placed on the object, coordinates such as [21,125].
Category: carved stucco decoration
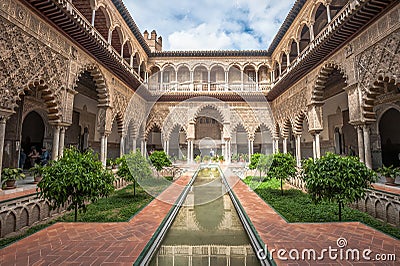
[378,63]
[135,114]
[26,63]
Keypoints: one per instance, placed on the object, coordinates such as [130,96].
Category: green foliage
[159,159]
[254,161]
[337,179]
[133,167]
[76,177]
[36,170]
[283,166]
[389,171]
[221,158]
[206,158]
[11,174]
[235,157]
[197,159]
[298,207]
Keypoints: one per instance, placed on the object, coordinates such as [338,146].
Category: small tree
[283,166]
[133,167]
[261,162]
[76,177]
[159,160]
[337,179]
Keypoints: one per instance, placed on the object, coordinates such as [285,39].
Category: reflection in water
[207,229]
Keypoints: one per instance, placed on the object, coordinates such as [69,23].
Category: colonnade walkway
[121,243]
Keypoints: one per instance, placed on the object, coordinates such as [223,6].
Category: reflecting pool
[207,229]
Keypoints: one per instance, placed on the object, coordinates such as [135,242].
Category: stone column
[256,79]
[367,147]
[56,142]
[311,32]
[284,145]
[188,151]
[93,16]
[276,145]
[209,80]
[3,120]
[298,48]
[298,150]
[167,147]
[316,145]
[142,147]
[122,146]
[161,80]
[62,141]
[242,79]
[103,149]
[360,137]
[251,142]
[328,13]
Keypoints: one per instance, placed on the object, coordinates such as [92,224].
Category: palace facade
[81,73]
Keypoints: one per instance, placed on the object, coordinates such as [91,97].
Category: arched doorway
[390,137]
[32,135]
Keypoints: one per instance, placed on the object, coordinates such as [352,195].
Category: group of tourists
[34,157]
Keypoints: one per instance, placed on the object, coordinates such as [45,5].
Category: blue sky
[211,24]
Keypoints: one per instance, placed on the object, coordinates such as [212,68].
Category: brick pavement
[93,243]
[122,243]
[277,233]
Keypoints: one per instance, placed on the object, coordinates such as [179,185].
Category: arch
[35,214]
[371,93]
[235,64]
[183,65]
[298,122]
[220,111]
[10,223]
[23,218]
[238,124]
[53,104]
[234,73]
[320,82]
[319,17]
[119,118]
[181,126]
[127,51]
[286,128]
[389,133]
[166,65]
[303,35]
[85,7]
[102,21]
[292,48]
[103,94]
[150,127]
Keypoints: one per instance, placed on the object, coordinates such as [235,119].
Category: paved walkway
[93,243]
[278,234]
[122,243]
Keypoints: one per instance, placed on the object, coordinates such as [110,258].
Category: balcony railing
[187,86]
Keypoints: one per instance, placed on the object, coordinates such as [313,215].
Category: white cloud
[210,24]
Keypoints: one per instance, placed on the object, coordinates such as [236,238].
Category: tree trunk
[76,212]
[340,211]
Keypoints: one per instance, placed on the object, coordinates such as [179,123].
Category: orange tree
[337,179]
[75,179]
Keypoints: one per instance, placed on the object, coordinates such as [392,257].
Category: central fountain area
[207,229]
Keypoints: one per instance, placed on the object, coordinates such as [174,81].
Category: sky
[211,24]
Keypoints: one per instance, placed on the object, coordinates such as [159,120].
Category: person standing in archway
[33,156]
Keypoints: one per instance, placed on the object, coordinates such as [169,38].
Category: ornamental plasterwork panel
[25,59]
[291,102]
[379,60]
